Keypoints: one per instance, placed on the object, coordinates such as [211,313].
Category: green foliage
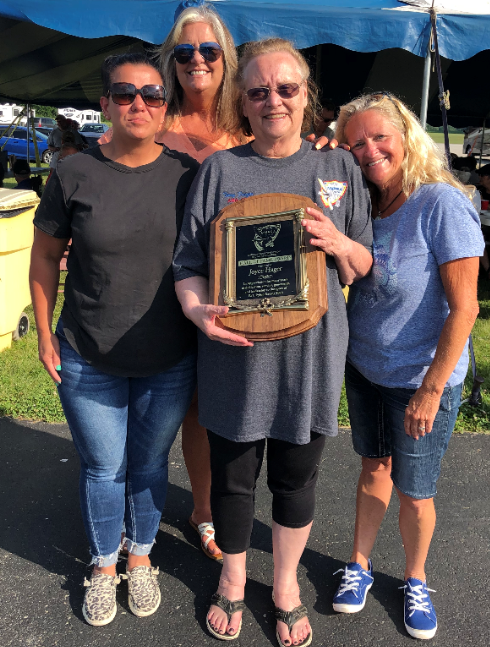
[440,129]
[42,111]
[45,111]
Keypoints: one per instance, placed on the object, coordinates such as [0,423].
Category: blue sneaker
[420,617]
[352,592]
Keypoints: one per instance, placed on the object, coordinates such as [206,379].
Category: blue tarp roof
[358,25]
[51,50]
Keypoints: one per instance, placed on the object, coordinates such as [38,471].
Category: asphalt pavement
[43,555]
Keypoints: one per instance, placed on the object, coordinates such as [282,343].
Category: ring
[422,428]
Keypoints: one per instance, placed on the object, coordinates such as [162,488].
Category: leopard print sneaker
[99,605]
[143,590]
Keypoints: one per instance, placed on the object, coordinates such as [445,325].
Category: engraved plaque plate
[265,270]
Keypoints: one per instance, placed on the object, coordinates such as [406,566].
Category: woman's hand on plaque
[325,234]
[204,316]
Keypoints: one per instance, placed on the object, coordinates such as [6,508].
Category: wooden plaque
[264,268]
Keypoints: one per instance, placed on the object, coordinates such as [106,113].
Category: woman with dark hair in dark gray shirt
[123,355]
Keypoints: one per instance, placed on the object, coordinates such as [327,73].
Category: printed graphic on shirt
[332,192]
[383,281]
[234,197]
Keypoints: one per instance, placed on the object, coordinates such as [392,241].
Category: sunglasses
[209,51]
[382,94]
[285,91]
[125,93]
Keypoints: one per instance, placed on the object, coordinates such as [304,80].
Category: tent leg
[442,95]
[27,133]
[482,141]
[425,89]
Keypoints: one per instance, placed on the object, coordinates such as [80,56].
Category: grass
[27,392]
[470,418]
[454,138]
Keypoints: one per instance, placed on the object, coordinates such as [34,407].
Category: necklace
[386,208]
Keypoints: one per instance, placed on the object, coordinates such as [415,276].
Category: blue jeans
[376,415]
[123,429]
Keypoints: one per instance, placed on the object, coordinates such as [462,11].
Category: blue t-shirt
[396,314]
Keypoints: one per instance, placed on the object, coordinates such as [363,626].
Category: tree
[44,111]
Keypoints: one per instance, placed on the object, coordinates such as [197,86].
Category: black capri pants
[292,472]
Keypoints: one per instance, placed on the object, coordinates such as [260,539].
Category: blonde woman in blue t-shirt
[409,323]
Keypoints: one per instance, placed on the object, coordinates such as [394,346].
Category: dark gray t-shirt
[278,389]
[121,313]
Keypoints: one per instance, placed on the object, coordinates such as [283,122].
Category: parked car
[44,122]
[92,131]
[16,144]
[43,130]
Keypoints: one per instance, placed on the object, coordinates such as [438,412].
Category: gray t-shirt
[287,388]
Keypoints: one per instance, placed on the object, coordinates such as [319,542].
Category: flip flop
[290,618]
[229,608]
[205,531]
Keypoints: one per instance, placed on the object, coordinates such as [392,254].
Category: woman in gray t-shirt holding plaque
[285,391]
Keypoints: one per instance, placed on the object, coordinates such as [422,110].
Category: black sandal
[290,618]
[229,608]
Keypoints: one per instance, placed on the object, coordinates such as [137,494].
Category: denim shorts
[376,416]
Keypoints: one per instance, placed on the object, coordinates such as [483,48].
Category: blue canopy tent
[50,51]
[359,25]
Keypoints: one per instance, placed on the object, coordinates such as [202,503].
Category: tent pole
[27,133]
[34,141]
[425,89]
[482,141]
[443,97]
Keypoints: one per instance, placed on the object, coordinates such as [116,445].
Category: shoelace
[350,580]
[141,575]
[416,598]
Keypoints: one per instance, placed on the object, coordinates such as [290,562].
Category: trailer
[82,116]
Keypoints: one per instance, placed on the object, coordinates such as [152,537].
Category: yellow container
[16,237]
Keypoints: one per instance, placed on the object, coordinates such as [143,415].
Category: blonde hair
[271,46]
[423,161]
[225,117]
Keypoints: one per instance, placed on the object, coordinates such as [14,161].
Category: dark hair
[111,64]
[21,167]
[328,104]
[68,137]
[464,163]
[2,174]
[484,170]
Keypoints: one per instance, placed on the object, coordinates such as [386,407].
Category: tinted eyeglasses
[125,93]
[285,91]
[209,51]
